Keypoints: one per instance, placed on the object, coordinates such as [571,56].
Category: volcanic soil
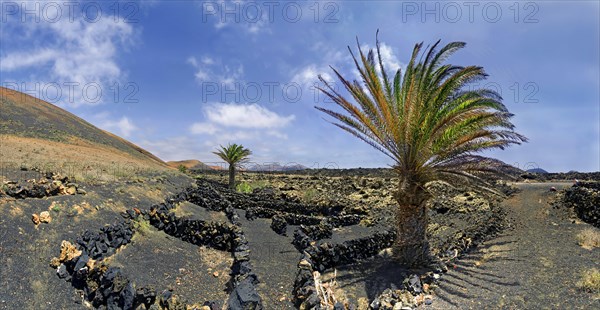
[535,264]
[518,252]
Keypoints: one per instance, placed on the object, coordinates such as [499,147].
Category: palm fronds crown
[426,119]
[233,154]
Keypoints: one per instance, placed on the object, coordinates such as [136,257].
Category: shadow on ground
[471,272]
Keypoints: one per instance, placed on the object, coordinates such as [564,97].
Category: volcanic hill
[36,134]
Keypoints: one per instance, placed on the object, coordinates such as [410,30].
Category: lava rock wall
[318,258]
[584,198]
[106,286]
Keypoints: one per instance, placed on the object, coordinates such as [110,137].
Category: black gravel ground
[274,259]
[195,212]
[160,261]
[346,233]
[26,279]
[534,265]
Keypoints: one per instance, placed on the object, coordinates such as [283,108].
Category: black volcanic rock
[584,198]
[244,296]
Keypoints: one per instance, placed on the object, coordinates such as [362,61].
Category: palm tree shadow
[372,277]
[369,278]
[469,278]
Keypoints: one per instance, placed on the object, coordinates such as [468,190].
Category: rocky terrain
[274,247]
[279,246]
[344,221]
[583,198]
[61,176]
[538,262]
[561,176]
[460,219]
[92,221]
[32,230]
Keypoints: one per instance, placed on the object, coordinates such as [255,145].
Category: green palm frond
[233,154]
[426,118]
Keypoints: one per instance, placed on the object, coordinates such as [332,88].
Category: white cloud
[192,61]
[203,128]
[246,116]
[207,60]
[309,75]
[16,61]
[247,16]
[389,59]
[202,76]
[186,147]
[80,51]
[211,70]
[238,135]
[241,122]
[391,63]
[173,148]
[124,126]
[277,134]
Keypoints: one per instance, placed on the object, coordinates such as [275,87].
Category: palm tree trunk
[411,247]
[232,176]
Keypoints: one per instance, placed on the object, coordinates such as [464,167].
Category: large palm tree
[234,155]
[429,123]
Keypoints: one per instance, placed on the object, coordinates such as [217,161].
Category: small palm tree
[234,155]
[429,123]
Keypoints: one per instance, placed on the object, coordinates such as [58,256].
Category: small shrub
[244,188]
[182,168]
[56,208]
[590,282]
[141,226]
[259,184]
[310,195]
[72,211]
[247,188]
[589,238]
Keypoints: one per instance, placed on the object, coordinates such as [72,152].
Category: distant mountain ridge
[194,164]
[276,167]
[536,170]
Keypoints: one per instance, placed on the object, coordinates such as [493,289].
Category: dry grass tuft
[589,238]
[326,290]
[16,211]
[142,226]
[215,259]
[590,282]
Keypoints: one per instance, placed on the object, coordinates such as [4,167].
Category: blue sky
[180,77]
